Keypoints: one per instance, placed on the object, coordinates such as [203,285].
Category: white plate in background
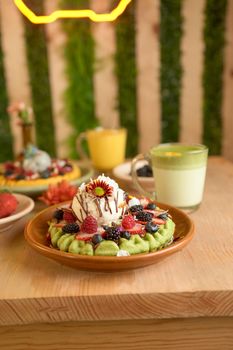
[122,175]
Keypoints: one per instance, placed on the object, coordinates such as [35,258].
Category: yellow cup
[106,147]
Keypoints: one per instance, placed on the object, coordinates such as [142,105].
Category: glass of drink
[179,172]
[106,147]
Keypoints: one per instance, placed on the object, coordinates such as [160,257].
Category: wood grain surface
[197,281]
[182,334]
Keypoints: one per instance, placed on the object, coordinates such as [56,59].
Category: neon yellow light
[95,17]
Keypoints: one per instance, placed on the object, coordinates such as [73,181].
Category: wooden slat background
[17,76]
[192,49]
[106,90]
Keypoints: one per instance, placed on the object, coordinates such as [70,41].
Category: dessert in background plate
[103,220]
[35,168]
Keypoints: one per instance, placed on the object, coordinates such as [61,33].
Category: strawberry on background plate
[8,204]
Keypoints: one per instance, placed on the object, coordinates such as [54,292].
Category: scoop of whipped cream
[101,198]
[36,161]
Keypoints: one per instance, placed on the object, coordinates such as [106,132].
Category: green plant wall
[5,132]
[126,72]
[39,79]
[171,23]
[214,29]
[79,54]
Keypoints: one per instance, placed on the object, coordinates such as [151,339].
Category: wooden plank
[192,283]
[55,43]
[228,86]
[148,63]
[183,334]
[15,62]
[192,61]
[105,85]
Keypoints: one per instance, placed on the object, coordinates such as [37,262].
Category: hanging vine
[5,132]
[126,74]
[79,55]
[214,30]
[171,70]
[39,78]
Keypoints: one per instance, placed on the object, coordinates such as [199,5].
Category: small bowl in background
[25,206]
[121,173]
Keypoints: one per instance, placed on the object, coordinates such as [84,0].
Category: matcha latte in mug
[106,147]
[179,172]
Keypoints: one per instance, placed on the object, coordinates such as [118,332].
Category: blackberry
[71,228]
[112,234]
[97,239]
[125,234]
[163,216]
[136,208]
[45,174]
[58,214]
[151,228]
[20,177]
[145,171]
[151,206]
[144,216]
[8,172]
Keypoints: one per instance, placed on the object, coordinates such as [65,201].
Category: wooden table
[184,302]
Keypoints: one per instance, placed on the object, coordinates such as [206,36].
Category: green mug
[179,172]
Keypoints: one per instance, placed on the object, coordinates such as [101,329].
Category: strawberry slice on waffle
[136,229]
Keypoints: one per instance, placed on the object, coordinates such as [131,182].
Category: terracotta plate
[35,234]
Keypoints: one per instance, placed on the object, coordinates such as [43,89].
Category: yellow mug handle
[79,145]
[140,189]
[82,136]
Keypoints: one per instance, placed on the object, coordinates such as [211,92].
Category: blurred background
[163,70]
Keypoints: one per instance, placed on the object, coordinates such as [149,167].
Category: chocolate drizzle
[107,205]
[82,202]
[98,207]
[116,202]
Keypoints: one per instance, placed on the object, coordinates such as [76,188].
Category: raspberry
[128,221]
[89,225]
[69,216]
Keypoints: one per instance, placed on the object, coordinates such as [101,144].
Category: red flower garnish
[99,188]
[58,193]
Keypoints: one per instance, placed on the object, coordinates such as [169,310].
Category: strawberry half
[84,236]
[141,222]
[137,229]
[159,221]
[149,211]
